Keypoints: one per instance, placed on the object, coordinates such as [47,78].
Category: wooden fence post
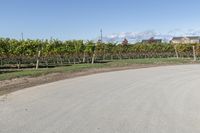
[176,52]
[93,58]
[38,57]
[194,53]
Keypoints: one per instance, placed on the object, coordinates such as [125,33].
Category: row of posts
[193,48]
[194,53]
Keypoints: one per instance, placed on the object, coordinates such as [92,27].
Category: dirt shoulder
[8,86]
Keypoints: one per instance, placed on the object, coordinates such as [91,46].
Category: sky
[83,19]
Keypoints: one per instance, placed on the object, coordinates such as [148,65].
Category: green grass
[82,67]
[152,61]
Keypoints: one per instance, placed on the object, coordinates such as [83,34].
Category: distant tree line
[55,52]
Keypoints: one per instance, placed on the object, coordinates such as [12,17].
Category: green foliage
[59,51]
[90,47]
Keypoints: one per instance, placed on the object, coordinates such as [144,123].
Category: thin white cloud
[139,36]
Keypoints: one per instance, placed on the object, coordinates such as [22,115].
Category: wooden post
[93,58]
[1,62]
[84,57]
[194,53]
[176,52]
[19,64]
[38,57]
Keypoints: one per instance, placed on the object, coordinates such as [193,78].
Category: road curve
[149,100]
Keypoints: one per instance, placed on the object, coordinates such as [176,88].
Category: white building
[186,40]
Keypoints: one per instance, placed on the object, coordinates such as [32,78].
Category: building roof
[187,37]
[194,37]
[152,39]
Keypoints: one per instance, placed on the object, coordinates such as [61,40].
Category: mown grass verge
[83,67]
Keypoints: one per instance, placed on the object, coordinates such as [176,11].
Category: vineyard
[49,53]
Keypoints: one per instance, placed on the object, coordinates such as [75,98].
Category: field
[20,54]
[81,67]
[26,63]
[18,79]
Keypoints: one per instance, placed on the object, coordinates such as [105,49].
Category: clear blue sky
[82,19]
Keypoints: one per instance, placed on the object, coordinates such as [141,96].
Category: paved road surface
[150,100]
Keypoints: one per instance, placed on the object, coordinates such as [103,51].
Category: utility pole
[101,35]
[104,50]
[22,36]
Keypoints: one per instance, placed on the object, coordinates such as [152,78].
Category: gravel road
[149,100]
